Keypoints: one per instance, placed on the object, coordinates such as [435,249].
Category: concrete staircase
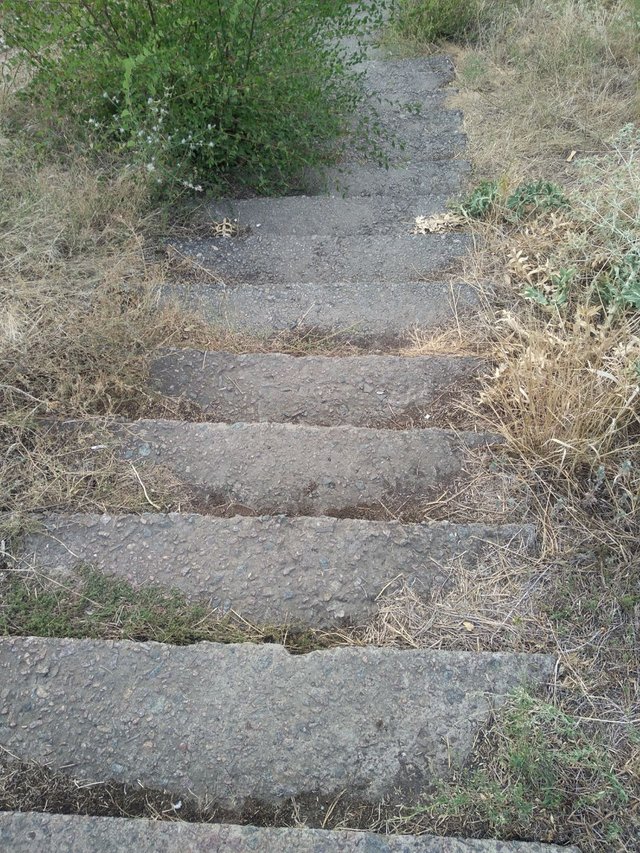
[308,448]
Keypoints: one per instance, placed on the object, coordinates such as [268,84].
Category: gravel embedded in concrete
[302,470]
[368,391]
[32,832]
[241,722]
[325,215]
[316,572]
[401,180]
[324,259]
[372,312]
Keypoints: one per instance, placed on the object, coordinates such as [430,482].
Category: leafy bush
[197,90]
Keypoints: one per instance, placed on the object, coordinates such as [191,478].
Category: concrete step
[414,180]
[367,391]
[303,470]
[407,80]
[420,132]
[278,259]
[325,215]
[241,722]
[32,832]
[374,313]
[317,572]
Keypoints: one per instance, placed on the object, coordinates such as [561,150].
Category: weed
[534,196]
[542,762]
[481,200]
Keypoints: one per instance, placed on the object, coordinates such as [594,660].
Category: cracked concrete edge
[252,722]
[34,832]
[317,572]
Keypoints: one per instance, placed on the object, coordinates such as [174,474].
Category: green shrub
[200,91]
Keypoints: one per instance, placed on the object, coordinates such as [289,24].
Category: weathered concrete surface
[316,572]
[32,832]
[407,80]
[325,215]
[369,391]
[372,312]
[243,721]
[302,470]
[324,259]
[420,132]
[413,180]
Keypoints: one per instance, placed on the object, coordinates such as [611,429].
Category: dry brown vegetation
[550,92]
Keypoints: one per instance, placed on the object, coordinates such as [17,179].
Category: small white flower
[151,167]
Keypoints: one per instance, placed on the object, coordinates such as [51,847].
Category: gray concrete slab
[32,832]
[243,721]
[408,78]
[367,391]
[372,312]
[413,180]
[323,259]
[317,572]
[302,470]
[325,215]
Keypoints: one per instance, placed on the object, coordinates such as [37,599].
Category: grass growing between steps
[89,605]
[550,95]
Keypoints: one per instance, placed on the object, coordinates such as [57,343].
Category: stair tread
[239,722]
[313,258]
[326,214]
[369,391]
[376,311]
[298,469]
[316,572]
[34,832]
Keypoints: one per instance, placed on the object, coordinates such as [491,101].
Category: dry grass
[548,93]
[548,78]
